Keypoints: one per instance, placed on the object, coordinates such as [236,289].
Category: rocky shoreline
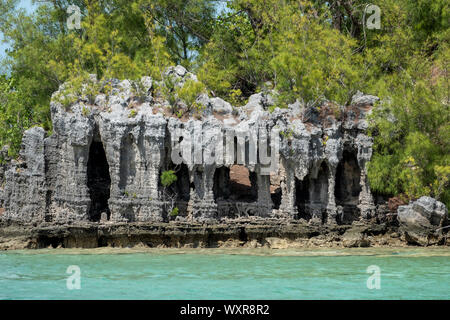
[239,233]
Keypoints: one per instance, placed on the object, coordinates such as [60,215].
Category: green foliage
[185,26]
[236,97]
[430,19]
[168,177]
[79,87]
[138,90]
[167,90]
[132,114]
[15,115]
[442,183]
[182,99]
[85,111]
[118,39]
[410,128]
[174,212]
[224,63]
[189,93]
[288,134]
[254,43]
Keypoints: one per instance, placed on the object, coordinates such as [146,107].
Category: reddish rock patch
[395,202]
[239,179]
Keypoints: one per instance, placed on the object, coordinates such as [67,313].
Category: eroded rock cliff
[103,160]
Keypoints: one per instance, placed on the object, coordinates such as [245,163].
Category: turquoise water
[215,274]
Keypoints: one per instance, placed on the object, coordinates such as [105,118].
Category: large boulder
[362,99]
[421,221]
[221,106]
[355,237]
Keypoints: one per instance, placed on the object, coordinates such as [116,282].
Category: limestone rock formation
[422,221]
[104,160]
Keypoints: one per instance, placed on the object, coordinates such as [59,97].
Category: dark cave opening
[276,198]
[302,197]
[98,182]
[275,191]
[181,187]
[178,193]
[221,187]
[320,186]
[347,189]
[45,241]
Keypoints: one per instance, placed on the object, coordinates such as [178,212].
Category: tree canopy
[310,50]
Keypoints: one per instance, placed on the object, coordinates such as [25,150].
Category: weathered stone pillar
[134,150]
[319,192]
[112,151]
[124,185]
[288,206]
[265,204]
[151,201]
[25,185]
[366,204]
[331,205]
[201,204]
[71,189]
[71,199]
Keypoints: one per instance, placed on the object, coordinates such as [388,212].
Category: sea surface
[108,273]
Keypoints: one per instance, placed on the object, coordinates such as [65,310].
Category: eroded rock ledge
[237,233]
[102,165]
